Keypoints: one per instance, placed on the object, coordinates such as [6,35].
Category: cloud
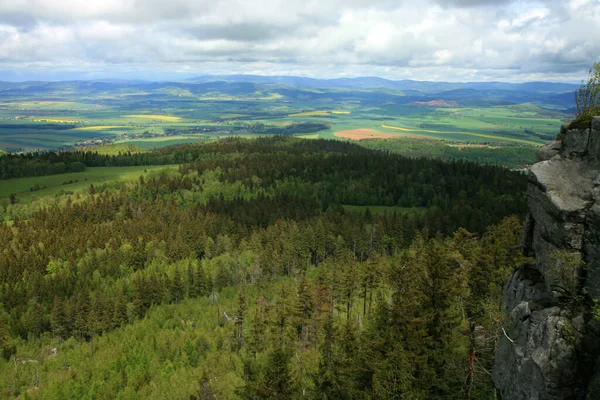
[436,39]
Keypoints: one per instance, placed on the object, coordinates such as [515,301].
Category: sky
[435,40]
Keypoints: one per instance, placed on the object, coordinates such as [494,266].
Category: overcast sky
[441,40]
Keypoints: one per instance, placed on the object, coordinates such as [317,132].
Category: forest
[241,275]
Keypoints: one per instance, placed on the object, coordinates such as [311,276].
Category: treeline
[243,277]
[52,163]
[291,129]
[506,156]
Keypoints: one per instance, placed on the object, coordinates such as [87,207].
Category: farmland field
[152,115]
[359,134]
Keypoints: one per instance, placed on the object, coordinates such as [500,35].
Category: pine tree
[191,288]
[255,334]
[59,318]
[176,290]
[242,307]
[119,317]
[282,313]
[5,339]
[79,310]
[200,282]
[278,382]
[304,309]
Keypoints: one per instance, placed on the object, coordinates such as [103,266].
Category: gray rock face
[548,151]
[594,142]
[549,348]
[537,354]
[575,143]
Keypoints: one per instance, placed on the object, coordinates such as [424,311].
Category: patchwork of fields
[60,115]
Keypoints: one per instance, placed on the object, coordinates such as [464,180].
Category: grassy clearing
[309,136]
[53,184]
[379,210]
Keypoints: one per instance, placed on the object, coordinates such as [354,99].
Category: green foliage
[241,276]
[565,274]
[507,156]
[587,99]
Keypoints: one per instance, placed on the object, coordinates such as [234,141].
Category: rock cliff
[550,344]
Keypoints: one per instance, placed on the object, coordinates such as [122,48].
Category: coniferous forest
[274,268]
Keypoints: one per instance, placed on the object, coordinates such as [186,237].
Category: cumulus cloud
[512,40]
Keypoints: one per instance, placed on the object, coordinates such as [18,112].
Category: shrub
[587,99]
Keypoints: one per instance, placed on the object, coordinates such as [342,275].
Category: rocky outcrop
[550,343]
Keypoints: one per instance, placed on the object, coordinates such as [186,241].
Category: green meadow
[49,186]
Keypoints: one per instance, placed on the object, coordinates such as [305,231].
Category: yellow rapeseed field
[100,127]
[310,114]
[167,118]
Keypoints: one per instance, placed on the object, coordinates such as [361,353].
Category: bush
[587,99]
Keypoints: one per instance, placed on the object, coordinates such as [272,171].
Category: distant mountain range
[350,83]
[368,90]
[381,83]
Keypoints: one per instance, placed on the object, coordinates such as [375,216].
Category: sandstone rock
[591,249]
[536,357]
[564,128]
[594,141]
[547,263]
[564,188]
[527,236]
[575,143]
[550,346]
[549,150]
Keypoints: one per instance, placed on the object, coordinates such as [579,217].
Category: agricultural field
[152,115]
[360,134]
